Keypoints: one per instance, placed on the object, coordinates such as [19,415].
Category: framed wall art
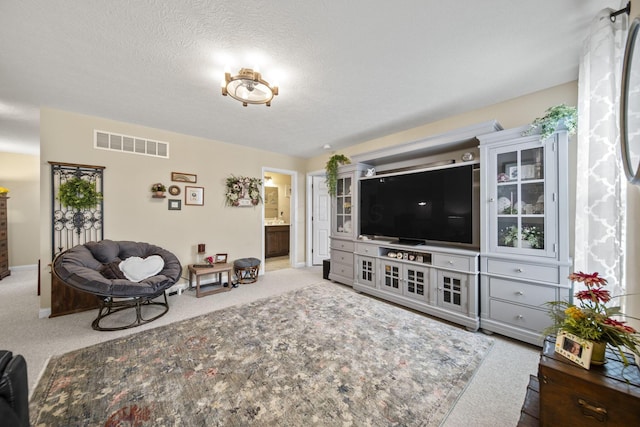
[184,177]
[175,204]
[194,196]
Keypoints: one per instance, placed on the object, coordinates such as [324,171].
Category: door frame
[293,220]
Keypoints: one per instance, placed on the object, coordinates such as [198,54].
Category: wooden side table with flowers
[569,391]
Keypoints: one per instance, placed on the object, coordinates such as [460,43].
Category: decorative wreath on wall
[78,193]
[243,191]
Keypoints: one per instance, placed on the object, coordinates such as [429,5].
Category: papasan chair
[122,274]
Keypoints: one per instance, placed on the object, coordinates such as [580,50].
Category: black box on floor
[326,266]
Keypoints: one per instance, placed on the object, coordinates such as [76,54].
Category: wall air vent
[129,144]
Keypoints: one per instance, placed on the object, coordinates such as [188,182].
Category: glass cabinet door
[520,200]
[343,220]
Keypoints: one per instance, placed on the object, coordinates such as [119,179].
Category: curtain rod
[626,10]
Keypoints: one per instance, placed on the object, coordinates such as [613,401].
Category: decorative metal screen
[71,227]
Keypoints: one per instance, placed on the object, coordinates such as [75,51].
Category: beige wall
[512,113]
[20,173]
[129,211]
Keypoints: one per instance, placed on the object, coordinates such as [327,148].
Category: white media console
[439,281]
[504,283]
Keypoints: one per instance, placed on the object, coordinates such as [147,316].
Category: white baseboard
[44,313]
[23,267]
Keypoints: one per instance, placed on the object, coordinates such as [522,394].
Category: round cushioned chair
[246,269]
[93,268]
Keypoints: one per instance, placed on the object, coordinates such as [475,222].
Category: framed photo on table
[221,258]
[194,196]
[574,348]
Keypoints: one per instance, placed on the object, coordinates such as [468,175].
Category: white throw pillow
[137,269]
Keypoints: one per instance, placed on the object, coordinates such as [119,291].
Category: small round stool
[246,269]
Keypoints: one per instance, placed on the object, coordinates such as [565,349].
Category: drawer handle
[590,410]
[519,270]
[519,317]
[520,293]
[450,262]
[492,199]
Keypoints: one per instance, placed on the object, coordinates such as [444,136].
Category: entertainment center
[481,243]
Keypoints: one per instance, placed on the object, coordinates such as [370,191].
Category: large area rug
[321,355]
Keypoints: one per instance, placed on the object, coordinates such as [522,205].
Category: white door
[321,220]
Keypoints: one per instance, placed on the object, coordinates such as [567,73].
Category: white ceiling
[348,71]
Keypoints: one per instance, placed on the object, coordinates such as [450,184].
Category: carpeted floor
[316,356]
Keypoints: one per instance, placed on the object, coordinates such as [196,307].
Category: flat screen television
[438,205]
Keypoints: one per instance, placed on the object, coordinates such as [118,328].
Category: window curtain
[600,180]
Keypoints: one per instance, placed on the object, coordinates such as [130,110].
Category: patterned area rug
[321,355]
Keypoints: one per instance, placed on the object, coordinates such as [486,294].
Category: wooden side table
[565,394]
[216,269]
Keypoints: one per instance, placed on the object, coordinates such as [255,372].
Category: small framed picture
[528,171]
[574,348]
[512,171]
[174,190]
[221,258]
[184,177]
[175,204]
[194,196]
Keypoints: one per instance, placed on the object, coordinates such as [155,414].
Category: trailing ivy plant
[332,171]
[79,194]
[554,117]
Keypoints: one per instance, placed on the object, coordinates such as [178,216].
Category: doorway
[278,219]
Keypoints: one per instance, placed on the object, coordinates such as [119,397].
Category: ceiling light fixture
[248,87]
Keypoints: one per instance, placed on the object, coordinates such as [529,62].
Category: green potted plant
[533,236]
[592,319]
[555,117]
[332,171]
[159,189]
[79,194]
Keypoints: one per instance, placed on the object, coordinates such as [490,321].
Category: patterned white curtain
[600,185]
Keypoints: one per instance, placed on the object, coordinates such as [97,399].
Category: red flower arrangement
[592,319]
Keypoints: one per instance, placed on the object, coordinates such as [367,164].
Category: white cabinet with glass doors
[524,235]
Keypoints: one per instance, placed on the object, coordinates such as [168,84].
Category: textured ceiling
[348,71]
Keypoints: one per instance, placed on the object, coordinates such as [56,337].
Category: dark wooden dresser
[4,238]
[607,395]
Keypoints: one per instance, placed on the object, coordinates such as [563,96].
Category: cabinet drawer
[364,249]
[343,245]
[543,273]
[522,293]
[343,270]
[452,261]
[520,316]
[341,257]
